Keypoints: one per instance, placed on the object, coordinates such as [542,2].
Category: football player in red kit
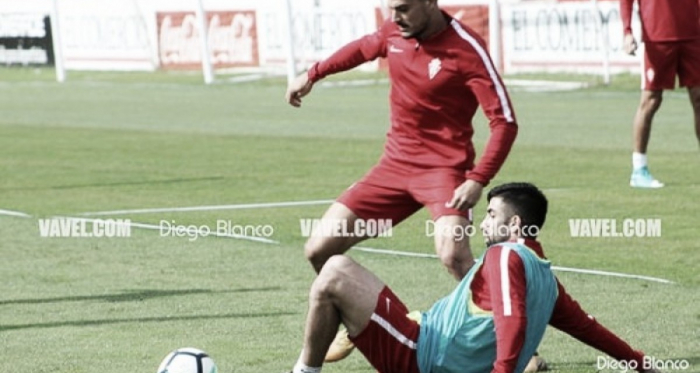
[440,73]
[671,35]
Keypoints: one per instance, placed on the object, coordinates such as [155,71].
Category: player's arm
[504,272]
[353,54]
[486,84]
[493,98]
[569,317]
[630,44]
[626,15]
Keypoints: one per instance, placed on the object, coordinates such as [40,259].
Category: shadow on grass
[133,295]
[575,366]
[58,324]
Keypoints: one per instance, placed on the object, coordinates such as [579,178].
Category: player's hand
[466,195]
[630,44]
[300,87]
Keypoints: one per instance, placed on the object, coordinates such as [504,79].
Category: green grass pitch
[109,141]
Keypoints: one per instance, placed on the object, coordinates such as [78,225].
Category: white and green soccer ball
[187,360]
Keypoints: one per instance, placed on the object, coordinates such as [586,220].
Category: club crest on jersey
[434,67]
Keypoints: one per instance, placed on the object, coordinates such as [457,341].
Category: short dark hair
[525,199]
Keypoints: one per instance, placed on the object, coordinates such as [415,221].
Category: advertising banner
[25,39]
[233,40]
[564,36]
[104,35]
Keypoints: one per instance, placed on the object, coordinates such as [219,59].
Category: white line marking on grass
[358,248]
[245,78]
[209,208]
[394,252]
[200,232]
[354,83]
[555,268]
[612,274]
[543,85]
[14,213]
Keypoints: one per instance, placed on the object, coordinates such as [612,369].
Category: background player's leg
[694,93]
[324,243]
[648,105]
[452,244]
[343,292]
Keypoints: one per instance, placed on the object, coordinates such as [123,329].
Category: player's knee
[319,249]
[695,102]
[652,103]
[313,250]
[331,277]
[454,263]
[456,257]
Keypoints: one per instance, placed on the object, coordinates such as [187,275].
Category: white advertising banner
[535,35]
[565,36]
[318,31]
[105,34]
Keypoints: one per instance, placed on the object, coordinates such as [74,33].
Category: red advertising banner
[475,17]
[233,39]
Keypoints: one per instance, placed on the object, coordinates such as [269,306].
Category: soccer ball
[187,360]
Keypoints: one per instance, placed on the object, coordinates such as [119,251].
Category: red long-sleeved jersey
[488,294]
[664,20]
[436,87]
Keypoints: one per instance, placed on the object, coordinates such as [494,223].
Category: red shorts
[394,191]
[389,340]
[664,60]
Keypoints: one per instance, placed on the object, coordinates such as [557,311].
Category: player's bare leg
[319,248]
[343,292]
[694,93]
[323,244]
[452,247]
[648,106]
[452,244]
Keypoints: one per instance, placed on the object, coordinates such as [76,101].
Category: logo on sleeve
[434,67]
[393,49]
